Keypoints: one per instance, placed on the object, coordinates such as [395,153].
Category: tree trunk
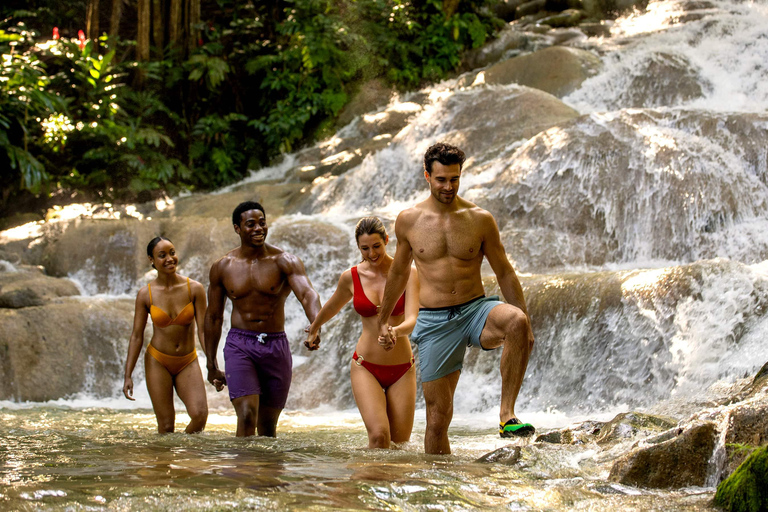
[193,34]
[142,38]
[450,6]
[114,20]
[158,27]
[175,28]
[92,21]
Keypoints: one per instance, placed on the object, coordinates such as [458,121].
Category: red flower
[81,37]
[56,33]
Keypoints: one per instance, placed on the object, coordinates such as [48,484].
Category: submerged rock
[509,455]
[746,490]
[673,464]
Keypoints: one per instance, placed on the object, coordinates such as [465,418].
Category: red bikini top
[363,304]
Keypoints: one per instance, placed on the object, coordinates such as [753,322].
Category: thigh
[370,399]
[191,389]
[500,321]
[401,403]
[160,387]
[438,394]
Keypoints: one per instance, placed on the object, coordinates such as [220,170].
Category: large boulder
[29,286]
[747,426]
[679,462]
[630,425]
[62,348]
[558,70]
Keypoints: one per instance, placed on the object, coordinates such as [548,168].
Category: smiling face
[252,228]
[444,181]
[164,257]
[373,248]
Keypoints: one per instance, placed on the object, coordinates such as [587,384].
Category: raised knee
[439,420]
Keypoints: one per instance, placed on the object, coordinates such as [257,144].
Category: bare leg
[191,390]
[401,402]
[372,403]
[160,387]
[247,409]
[267,422]
[507,325]
[438,394]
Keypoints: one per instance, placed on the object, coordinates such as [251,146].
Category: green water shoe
[513,428]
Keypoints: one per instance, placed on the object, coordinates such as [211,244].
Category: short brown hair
[370,226]
[444,153]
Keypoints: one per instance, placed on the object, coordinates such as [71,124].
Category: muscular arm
[411,306]
[137,341]
[340,297]
[300,285]
[214,317]
[497,258]
[198,295]
[397,278]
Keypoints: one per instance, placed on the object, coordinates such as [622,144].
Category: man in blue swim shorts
[447,238]
[257,277]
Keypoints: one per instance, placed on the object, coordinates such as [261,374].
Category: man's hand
[128,388]
[313,339]
[217,378]
[387,338]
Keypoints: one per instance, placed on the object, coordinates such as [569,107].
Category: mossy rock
[746,490]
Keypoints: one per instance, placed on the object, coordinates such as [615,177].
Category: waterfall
[634,210]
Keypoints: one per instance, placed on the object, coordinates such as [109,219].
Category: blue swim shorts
[443,335]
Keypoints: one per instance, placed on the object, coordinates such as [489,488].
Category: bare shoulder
[196,286]
[287,263]
[408,218]
[479,215]
[142,297]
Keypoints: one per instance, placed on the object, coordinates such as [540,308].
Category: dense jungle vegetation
[123,99]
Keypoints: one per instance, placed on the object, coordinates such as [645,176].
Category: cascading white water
[659,161]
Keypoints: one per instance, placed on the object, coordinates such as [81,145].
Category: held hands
[387,338]
[128,388]
[217,378]
[313,339]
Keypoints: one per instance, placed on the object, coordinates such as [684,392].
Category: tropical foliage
[105,117]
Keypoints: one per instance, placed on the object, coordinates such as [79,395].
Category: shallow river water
[85,458]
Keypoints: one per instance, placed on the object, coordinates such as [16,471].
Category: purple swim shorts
[258,363]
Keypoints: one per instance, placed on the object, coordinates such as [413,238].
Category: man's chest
[245,278]
[438,238]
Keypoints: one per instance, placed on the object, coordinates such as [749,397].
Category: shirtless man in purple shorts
[257,277]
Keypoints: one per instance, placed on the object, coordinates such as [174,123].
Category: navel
[453,292]
[421,250]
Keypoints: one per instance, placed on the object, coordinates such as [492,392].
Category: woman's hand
[128,388]
[313,339]
[387,337]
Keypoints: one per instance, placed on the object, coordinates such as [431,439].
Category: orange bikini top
[363,304]
[161,319]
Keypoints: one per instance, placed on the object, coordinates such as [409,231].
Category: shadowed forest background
[124,100]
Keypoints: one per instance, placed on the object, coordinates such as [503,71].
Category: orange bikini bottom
[174,364]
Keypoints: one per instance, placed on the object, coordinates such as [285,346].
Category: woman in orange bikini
[175,303]
[383,382]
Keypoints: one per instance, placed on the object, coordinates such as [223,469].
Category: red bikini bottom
[386,374]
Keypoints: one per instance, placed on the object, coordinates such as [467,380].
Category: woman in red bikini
[175,304]
[383,382]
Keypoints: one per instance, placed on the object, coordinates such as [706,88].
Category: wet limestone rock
[747,426]
[62,348]
[509,455]
[746,490]
[29,286]
[630,425]
[558,70]
[582,433]
[673,464]
[481,129]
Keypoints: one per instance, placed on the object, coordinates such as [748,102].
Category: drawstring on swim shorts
[454,311]
[261,337]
